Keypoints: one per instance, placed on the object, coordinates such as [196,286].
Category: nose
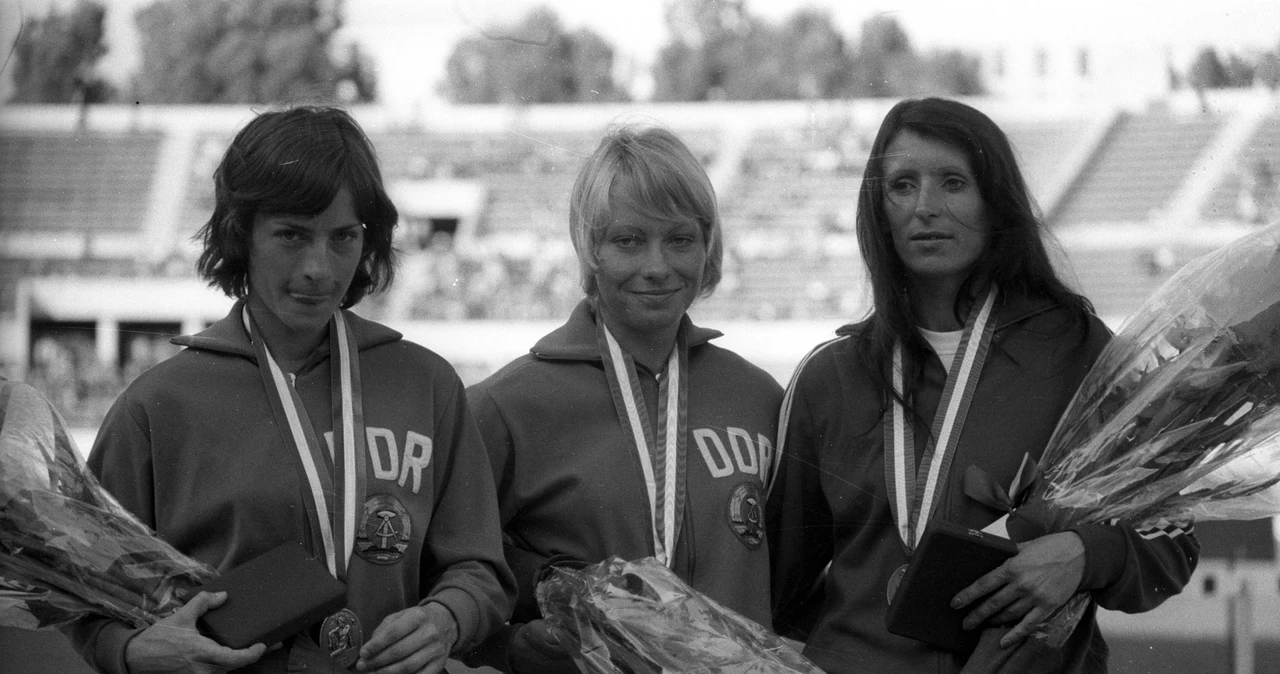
[928,201]
[317,263]
[655,263]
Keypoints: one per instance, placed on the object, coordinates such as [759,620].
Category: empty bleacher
[1248,192]
[85,181]
[1138,167]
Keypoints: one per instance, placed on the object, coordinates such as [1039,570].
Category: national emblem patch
[384,530]
[745,516]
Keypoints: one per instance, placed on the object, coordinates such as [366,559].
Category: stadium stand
[84,181]
[1137,169]
[1249,192]
[787,175]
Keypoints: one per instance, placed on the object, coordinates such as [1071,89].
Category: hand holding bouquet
[67,548]
[1179,418]
[640,618]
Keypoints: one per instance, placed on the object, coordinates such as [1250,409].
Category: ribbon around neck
[662,454]
[915,492]
[335,482]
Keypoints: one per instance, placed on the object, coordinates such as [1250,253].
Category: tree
[55,57]
[1207,71]
[709,41]
[244,51]
[534,61]
[1268,71]
[883,63]
[1239,72]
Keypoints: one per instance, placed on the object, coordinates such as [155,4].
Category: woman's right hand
[175,645]
[535,649]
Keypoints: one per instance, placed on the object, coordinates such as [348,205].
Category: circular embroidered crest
[745,517]
[384,530]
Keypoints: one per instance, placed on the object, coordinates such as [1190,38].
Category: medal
[341,637]
[662,458]
[914,492]
[334,482]
[895,579]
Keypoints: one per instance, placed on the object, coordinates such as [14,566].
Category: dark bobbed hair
[649,169]
[1016,258]
[294,162]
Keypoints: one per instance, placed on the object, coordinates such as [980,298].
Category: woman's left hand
[415,640]
[1028,587]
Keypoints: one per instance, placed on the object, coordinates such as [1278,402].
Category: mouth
[309,298]
[656,294]
[929,236]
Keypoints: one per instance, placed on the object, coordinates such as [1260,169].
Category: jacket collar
[576,339]
[1009,312]
[229,336]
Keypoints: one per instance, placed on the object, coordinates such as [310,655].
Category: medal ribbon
[662,459]
[912,505]
[335,482]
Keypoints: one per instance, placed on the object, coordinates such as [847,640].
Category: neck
[289,347]
[651,349]
[934,305]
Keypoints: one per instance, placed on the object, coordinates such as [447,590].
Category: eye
[346,235]
[288,235]
[626,241]
[901,186]
[954,183]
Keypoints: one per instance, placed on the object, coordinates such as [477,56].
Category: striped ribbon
[662,458]
[335,481]
[912,505]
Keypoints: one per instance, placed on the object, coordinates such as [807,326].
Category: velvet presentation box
[949,558]
[271,597]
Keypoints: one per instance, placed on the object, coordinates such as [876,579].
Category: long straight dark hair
[1015,258]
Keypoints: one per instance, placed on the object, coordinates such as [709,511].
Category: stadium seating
[787,185]
[1137,169]
[1249,190]
[83,181]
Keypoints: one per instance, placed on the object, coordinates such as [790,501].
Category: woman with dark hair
[294,420]
[972,351]
[625,432]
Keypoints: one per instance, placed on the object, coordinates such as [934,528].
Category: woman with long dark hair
[971,353]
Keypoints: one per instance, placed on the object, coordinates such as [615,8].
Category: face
[300,267]
[939,221]
[649,272]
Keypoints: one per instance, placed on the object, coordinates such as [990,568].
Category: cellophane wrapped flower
[638,617]
[67,548]
[1178,419]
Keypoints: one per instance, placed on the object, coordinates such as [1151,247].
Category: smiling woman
[625,432]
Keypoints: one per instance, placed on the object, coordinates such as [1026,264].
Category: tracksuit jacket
[193,449]
[829,502]
[570,483]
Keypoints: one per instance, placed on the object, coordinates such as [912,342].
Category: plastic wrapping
[638,617]
[67,548]
[1178,419]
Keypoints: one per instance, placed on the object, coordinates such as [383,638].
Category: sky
[410,39]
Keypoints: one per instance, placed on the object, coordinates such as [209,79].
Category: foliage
[1268,70]
[245,51]
[54,57]
[719,50]
[1208,71]
[535,61]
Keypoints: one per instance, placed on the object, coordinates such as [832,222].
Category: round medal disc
[341,637]
[894,580]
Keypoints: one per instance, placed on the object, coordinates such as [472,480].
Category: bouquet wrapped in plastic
[639,618]
[1179,418]
[67,548]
